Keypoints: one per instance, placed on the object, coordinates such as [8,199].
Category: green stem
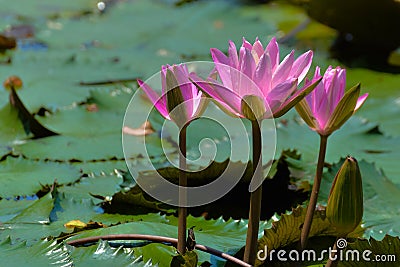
[314,193]
[182,210]
[250,251]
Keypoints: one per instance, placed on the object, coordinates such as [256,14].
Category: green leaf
[383,112]
[104,185]
[387,251]
[189,259]
[31,125]
[103,255]
[38,212]
[43,253]
[12,129]
[21,176]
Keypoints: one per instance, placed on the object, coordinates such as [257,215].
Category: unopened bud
[345,204]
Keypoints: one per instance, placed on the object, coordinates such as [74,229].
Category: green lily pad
[43,253]
[21,176]
[104,255]
[38,212]
[104,185]
[12,130]
[32,223]
[384,112]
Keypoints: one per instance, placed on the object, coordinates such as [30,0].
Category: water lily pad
[384,112]
[26,177]
[43,253]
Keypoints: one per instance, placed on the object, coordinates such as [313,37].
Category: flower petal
[301,66]
[159,103]
[360,101]
[222,64]
[233,56]
[263,74]
[273,50]
[339,92]
[246,44]
[295,98]
[225,97]
[282,72]
[258,48]
[280,93]
[246,61]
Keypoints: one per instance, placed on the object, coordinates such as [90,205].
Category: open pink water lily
[255,79]
[328,107]
[180,100]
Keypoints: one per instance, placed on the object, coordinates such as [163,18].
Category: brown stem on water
[157,239]
[182,210]
[314,193]
[255,196]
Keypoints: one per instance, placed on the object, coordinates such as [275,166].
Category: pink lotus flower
[255,79]
[180,100]
[328,107]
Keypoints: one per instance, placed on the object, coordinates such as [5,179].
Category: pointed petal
[341,80]
[282,72]
[222,64]
[263,74]
[301,66]
[247,64]
[246,44]
[322,110]
[295,98]
[273,50]
[219,57]
[283,90]
[258,48]
[280,93]
[233,56]
[186,87]
[159,102]
[223,96]
[360,101]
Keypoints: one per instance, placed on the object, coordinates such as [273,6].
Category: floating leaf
[21,177]
[31,125]
[43,253]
